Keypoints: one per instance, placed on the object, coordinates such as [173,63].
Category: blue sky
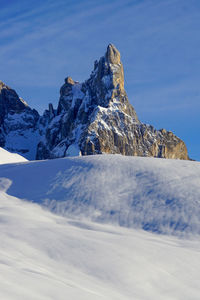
[42,42]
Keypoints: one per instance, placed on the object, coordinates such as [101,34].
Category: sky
[42,42]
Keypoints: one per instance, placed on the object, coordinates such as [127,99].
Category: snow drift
[153,194]
[6,157]
[45,257]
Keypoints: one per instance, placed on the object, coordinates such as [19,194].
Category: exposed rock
[18,124]
[9,102]
[69,81]
[112,55]
[51,111]
[96,117]
[92,117]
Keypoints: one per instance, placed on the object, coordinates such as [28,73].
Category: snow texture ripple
[153,194]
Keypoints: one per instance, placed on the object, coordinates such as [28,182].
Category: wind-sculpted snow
[45,257]
[157,195]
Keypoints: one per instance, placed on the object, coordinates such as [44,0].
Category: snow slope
[149,193]
[45,256]
[7,157]
[48,256]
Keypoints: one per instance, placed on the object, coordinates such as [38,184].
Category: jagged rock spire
[96,117]
[110,72]
[92,117]
[69,81]
[112,54]
[10,101]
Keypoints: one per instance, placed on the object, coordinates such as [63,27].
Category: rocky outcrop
[93,117]
[96,117]
[18,124]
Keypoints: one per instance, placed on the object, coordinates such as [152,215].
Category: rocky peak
[18,123]
[67,86]
[112,55]
[106,83]
[104,87]
[92,117]
[96,117]
[67,95]
[2,84]
[10,102]
[109,70]
[69,81]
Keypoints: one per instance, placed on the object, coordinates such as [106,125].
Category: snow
[49,256]
[107,81]
[59,150]
[7,157]
[115,68]
[73,150]
[77,93]
[44,256]
[54,122]
[154,194]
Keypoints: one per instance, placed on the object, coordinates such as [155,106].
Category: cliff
[96,117]
[93,117]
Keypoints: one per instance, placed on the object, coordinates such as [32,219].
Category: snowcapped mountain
[92,117]
[96,117]
[81,252]
[18,124]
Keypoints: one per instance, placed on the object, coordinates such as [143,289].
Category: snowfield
[158,195]
[81,252]
[7,157]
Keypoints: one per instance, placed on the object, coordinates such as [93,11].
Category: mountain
[18,124]
[92,117]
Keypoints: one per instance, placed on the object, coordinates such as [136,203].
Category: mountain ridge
[93,117]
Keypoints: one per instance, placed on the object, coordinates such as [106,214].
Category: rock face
[92,117]
[96,117]
[18,123]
